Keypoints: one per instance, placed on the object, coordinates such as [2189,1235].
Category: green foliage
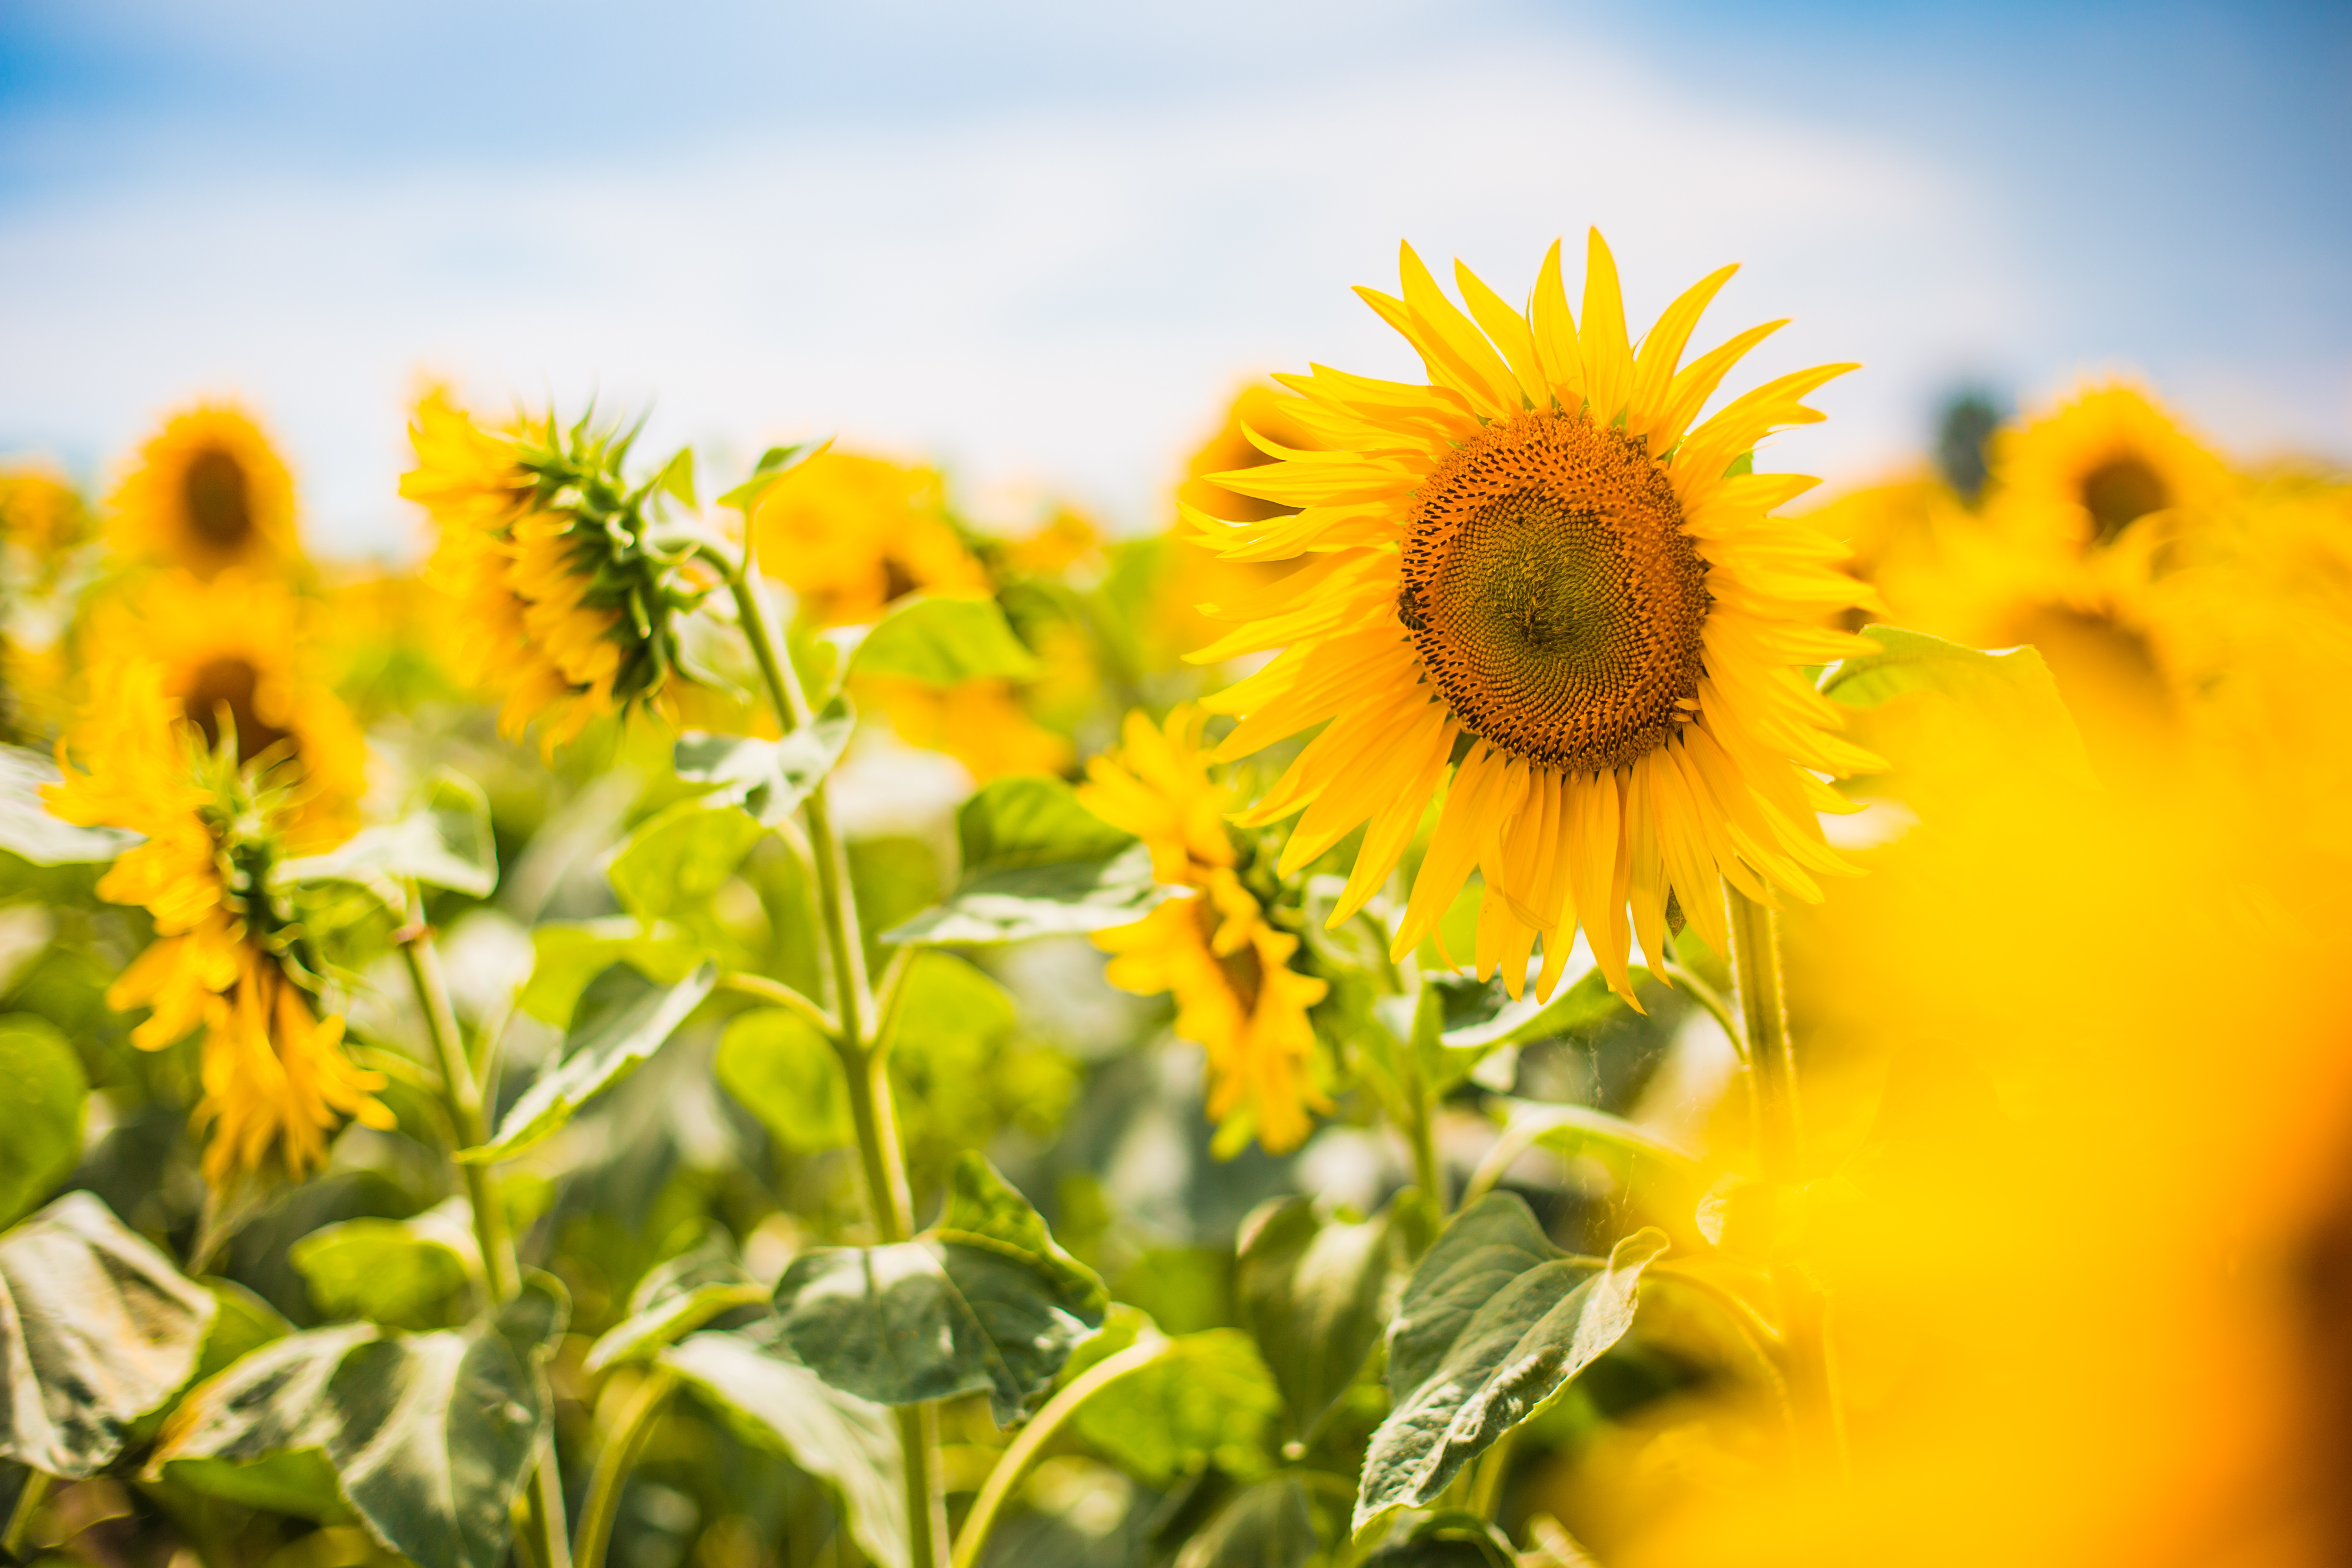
[1035,862]
[783,1071]
[428,1436]
[96,1328]
[983,1303]
[850,1443]
[944,643]
[402,1273]
[679,859]
[1494,1323]
[621,1019]
[1268,1525]
[447,842]
[677,1298]
[571,954]
[768,779]
[1206,1399]
[774,463]
[47,1097]
[1316,1290]
[2009,691]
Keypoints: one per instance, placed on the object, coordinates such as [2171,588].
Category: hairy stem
[1781,1155]
[613,1462]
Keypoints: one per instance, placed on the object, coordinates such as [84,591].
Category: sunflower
[1542,592]
[1228,967]
[981,723]
[41,514]
[850,534]
[228,956]
[2075,479]
[208,493]
[566,604]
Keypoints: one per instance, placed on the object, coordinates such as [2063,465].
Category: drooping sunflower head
[568,591]
[2081,475]
[850,534]
[1541,589]
[206,493]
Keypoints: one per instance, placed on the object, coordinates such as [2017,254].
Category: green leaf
[1494,1323]
[783,1071]
[1267,1525]
[1493,1019]
[96,1328]
[944,643]
[428,1436]
[846,1441]
[2011,689]
[1207,1399]
[768,779]
[1315,1291]
[571,954]
[399,1272]
[985,1302]
[242,1324]
[1037,863]
[446,844]
[947,1002]
[774,465]
[676,477]
[677,1298]
[28,830]
[1574,1129]
[680,857]
[623,1018]
[47,1095]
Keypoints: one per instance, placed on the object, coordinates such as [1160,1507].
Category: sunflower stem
[501,1273]
[1015,1461]
[1780,1157]
[613,1461]
[30,1497]
[863,1046]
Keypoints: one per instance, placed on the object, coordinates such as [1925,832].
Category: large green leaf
[28,830]
[680,857]
[2010,688]
[47,1097]
[848,1442]
[403,1273]
[446,843]
[1205,1399]
[1315,1290]
[768,779]
[944,643]
[677,1298]
[428,1436]
[622,1018]
[1457,1023]
[785,1071]
[96,1328]
[1268,1525]
[1495,1323]
[1037,863]
[569,954]
[983,1303]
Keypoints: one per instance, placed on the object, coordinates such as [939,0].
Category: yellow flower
[207,494]
[40,513]
[1229,969]
[849,534]
[276,1079]
[564,604]
[2075,479]
[981,723]
[1542,592]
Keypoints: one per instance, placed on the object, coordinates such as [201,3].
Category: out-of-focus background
[1043,242]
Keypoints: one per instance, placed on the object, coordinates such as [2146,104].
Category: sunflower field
[1511,988]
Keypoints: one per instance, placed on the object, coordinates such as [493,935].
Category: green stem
[862,1046]
[34,1491]
[778,994]
[1015,1461]
[1781,1157]
[613,1461]
[1493,1465]
[501,1273]
[1709,998]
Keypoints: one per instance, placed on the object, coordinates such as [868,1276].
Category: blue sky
[1043,243]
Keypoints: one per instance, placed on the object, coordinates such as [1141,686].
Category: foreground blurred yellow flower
[1228,967]
[1542,577]
[564,605]
[217,816]
[208,493]
[849,534]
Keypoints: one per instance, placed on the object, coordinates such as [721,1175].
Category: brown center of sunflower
[2120,491]
[220,513]
[897,579]
[230,683]
[1554,598]
[1245,974]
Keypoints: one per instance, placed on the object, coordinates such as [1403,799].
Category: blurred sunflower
[218,813]
[2079,477]
[41,512]
[567,608]
[208,493]
[850,535]
[1542,592]
[1227,966]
